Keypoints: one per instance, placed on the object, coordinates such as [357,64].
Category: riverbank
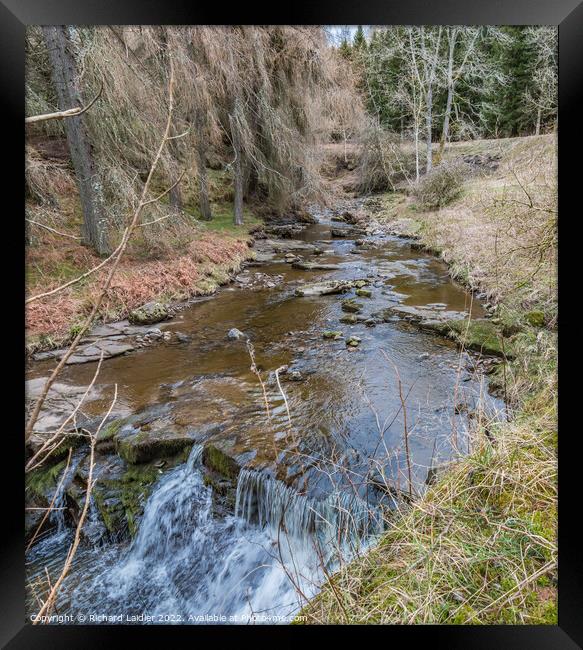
[480,546]
[194,260]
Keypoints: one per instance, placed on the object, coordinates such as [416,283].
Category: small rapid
[187,565]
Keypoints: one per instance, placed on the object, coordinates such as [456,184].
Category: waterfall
[341,520]
[258,565]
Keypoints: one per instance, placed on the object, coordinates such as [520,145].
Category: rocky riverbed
[354,333]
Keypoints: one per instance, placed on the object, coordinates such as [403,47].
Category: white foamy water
[187,566]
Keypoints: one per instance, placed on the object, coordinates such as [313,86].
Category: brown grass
[211,257]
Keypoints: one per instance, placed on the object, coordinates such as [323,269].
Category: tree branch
[60,115]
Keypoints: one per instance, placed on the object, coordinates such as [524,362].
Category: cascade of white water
[268,558]
[341,520]
[57,515]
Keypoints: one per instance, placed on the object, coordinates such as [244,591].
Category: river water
[305,501]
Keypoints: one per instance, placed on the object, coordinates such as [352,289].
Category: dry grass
[204,263]
[500,235]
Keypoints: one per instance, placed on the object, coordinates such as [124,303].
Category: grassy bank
[480,546]
[173,260]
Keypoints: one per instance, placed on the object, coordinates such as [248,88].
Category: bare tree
[66,81]
[543,95]
[424,47]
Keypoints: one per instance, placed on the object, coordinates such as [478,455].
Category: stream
[320,457]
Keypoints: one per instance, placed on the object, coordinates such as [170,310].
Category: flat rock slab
[421,314]
[60,402]
[139,446]
[314,266]
[324,288]
[289,245]
[93,351]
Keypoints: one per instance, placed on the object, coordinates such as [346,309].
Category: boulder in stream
[234,334]
[314,266]
[148,314]
[323,288]
[350,305]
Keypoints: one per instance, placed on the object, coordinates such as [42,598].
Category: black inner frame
[568,14]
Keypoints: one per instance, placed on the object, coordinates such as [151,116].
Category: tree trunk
[203,190]
[538,121]
[448,103]
[65,79]
[237,173]
[175,195]
[428,125]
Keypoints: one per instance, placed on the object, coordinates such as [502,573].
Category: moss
[535,318]
[110,430]
[70,441]
[120,502]
[39,481]
[144,446]
[480,335]
[220,462]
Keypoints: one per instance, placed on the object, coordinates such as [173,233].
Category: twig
[256,372]
[42,225]
[282,393]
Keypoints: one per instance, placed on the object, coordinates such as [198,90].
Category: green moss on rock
[39,481]
[220,462]
[535,318]
[480,335]
[144,446]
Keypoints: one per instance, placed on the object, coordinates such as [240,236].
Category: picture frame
[15,15]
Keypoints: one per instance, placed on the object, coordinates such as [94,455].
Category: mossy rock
[120,501]
[349,319]
[535,318]
[121,491]
[39,482]
[332,334]
[220,462]
[144,446]
[148,314]
[364,293]
[350,305]
[480,335]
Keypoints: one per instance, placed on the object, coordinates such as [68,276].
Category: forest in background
[255,109]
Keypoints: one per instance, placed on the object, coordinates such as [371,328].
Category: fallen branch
[60,115]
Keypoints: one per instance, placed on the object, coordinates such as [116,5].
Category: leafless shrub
[441,185]
[384,161]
